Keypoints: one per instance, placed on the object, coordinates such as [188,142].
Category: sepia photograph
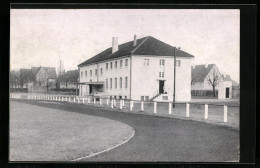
[124,85]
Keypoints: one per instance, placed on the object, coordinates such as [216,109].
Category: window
[111,83]
[81,74]
[121,81]
[146,98]
[101,71]
[178,63]
[161,74]
[106,65]
[142,98]
[90,72]
[107,83]
[126,62]
[116,64]
[115,82]
[96,72]
[146,62]
[120,97]
[90,80]
[162,62]
[126,82]
[125,97]
[86,73]
[111,65]
[121,63]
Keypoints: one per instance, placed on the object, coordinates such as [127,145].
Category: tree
[213,79]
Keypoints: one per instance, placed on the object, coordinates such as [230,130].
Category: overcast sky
[42,37]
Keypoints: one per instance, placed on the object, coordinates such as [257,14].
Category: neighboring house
[142,69]
[69,80]
[202,77]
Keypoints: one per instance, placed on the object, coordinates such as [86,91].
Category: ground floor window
[125,97]
[120,97]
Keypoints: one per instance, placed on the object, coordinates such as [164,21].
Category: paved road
[162,139]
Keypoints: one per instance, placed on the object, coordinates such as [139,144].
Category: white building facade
[142,73]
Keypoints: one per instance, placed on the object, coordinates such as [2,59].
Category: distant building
[69,80]
[142,69]
[201,86]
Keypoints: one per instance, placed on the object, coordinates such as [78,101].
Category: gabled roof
[145,46]
[200,72]
[226,78]
[70,76]
[51,71]
[27,75]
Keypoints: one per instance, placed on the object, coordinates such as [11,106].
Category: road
[162,139]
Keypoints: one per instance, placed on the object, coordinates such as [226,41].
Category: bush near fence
[208,93]
[18,90]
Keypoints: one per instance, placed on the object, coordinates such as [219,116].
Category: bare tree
[213,79]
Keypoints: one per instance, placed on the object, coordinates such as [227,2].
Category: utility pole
[174,78]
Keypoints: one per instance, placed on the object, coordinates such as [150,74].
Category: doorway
[161,86]
[227,92]
[90,89]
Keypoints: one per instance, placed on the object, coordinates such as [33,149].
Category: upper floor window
[86,73]
[116,64]
[115,82]
[178,63]
[126,82]
[121,81]
[111,65]
[126,62]
[146,62]
[162,62]
[106,65]
[101,71]
[121,63]
[111,80]
[96,72]
[107,83]
[90,72]
[81,74]
[161,74]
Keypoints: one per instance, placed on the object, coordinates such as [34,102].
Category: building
[69,80]
[142,69]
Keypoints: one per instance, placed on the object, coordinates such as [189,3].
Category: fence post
[112,103]
[170,108]
[142,106]
[78,99]
[69,99]
[89,100]
[100,101]
[187,110]
[154,107]
[83,100]
[94,100]
[107,101]
[206,111]
[131,105]
[121,104]
[225,113]
[74,99]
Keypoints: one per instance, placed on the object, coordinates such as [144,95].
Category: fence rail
[217,113]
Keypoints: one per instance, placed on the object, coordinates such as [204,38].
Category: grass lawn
[45,134]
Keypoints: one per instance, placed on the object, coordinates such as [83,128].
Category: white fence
[188,110]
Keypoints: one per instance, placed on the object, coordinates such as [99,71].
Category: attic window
[178,63]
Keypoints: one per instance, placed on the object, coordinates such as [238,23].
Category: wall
[113,73]
[145,79]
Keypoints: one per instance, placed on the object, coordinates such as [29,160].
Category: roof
[200,72]
[226,78]
[27,75]
[145,46]
[70,76]
[51,71]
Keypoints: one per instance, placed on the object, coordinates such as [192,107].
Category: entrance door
[90,89]
[161,86]
[227,92]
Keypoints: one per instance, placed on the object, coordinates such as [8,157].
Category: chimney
[114,44]
[135,41]
[206,65]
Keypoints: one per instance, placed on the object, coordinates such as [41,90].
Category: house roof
[200,72]
[70,76]
[145,46]
[27,75]
[226,78]
[51,71]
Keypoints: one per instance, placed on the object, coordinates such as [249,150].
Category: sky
[41,37]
